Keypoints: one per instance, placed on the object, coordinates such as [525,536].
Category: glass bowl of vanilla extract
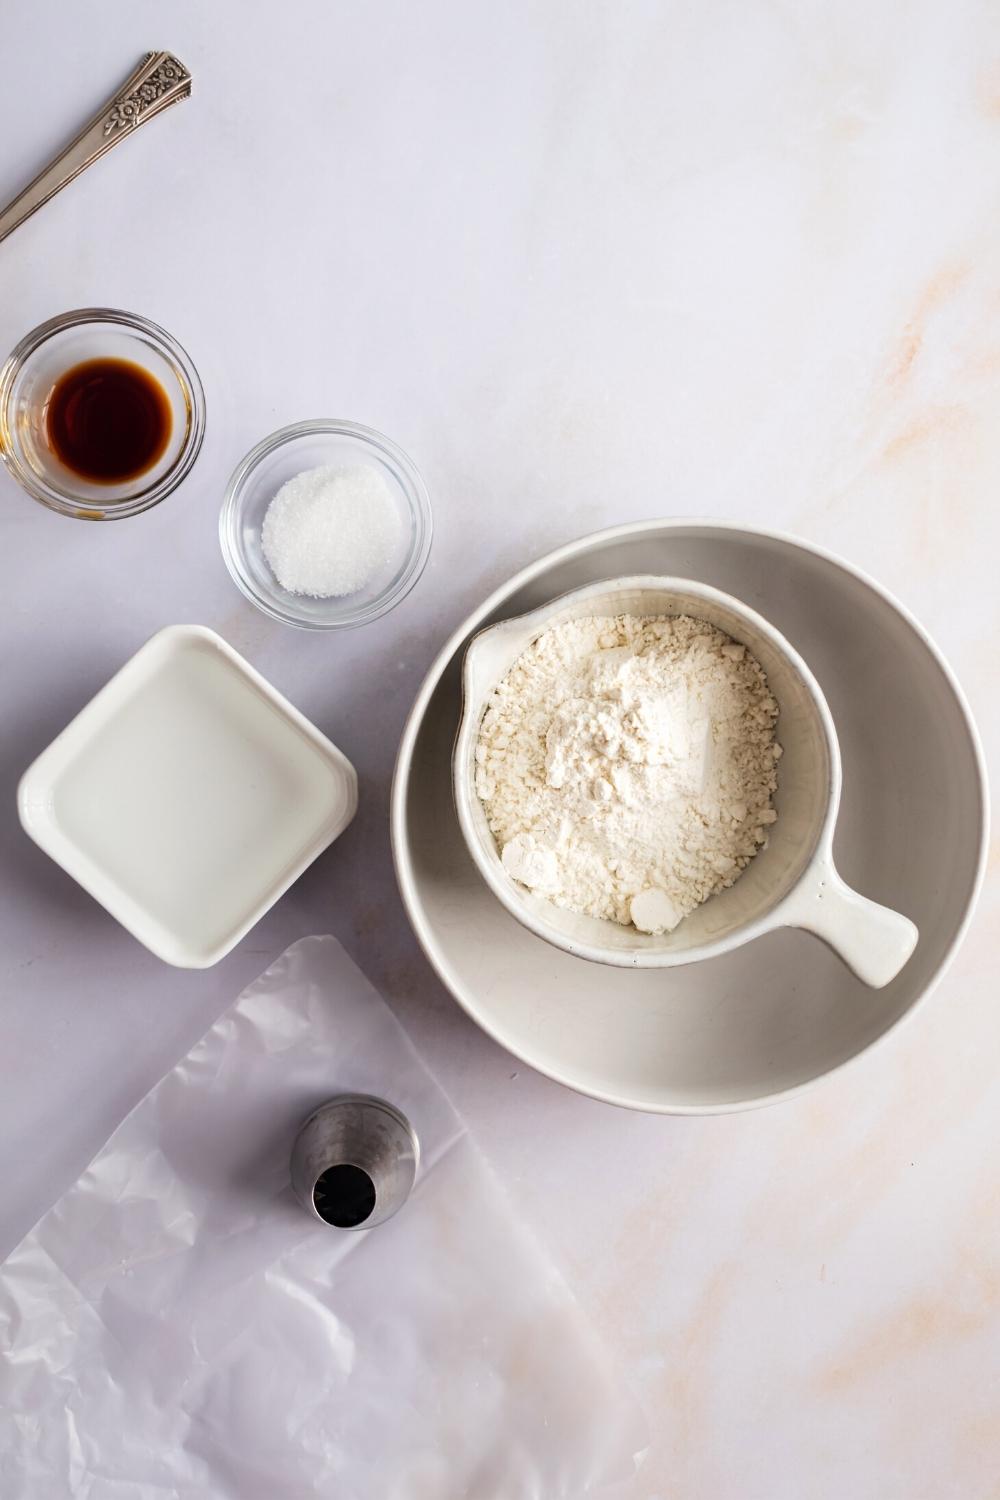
[102,414]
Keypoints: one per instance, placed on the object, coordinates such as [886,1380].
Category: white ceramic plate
[187,796]
[763,1022]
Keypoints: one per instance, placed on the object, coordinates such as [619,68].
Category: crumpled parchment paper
[176,1326]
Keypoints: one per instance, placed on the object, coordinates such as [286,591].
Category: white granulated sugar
[626,766]
[330,531]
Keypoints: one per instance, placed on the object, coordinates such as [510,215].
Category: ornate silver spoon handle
[159,81]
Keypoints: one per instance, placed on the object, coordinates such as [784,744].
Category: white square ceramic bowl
[187,796]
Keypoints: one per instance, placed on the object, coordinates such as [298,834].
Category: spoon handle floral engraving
[159,81]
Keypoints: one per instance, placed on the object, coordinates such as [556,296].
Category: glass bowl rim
[411,482]
[92,507]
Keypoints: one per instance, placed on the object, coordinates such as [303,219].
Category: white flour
[626,766]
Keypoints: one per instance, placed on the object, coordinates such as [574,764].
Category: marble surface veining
[587,263]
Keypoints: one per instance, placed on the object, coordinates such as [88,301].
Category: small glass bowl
[26,382]
[278,458]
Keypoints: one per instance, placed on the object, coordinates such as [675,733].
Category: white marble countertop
[587,264]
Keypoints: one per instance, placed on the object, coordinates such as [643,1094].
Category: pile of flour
[626,766]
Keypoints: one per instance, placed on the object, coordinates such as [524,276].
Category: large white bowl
[766,1021]
[792,883]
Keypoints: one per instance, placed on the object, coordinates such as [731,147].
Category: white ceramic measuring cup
[791,883]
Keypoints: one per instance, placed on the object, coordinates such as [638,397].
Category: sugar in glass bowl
[280,457]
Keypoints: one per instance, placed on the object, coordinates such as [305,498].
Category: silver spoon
[159,81]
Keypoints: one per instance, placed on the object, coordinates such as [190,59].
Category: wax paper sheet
[177,1327]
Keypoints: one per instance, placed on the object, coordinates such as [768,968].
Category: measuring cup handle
[873,941]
